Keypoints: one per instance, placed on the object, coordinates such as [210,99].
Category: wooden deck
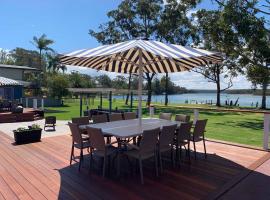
[41,171]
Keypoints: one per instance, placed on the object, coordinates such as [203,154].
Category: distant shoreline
[257,92]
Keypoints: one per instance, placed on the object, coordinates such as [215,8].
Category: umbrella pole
[140,86]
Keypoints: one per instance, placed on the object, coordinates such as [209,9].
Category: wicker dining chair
[100,118]
[99,148]
[80,120]
[198,135]
[147,148]
[183,138]
[115,117]
[166,116]
[129,115]
[165,143]
[77,142]
[50,121]
[182,118]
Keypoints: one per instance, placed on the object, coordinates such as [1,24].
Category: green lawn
[243,128]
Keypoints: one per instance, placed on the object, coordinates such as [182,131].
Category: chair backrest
[50,120]
[80,120]
[199,128]
[129,115]
[167,135]
[182,118]
[166,116]
[115,117]
[75,132]
[184,133]
[100,118]
[148,141]
[96,138]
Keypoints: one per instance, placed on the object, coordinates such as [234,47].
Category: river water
[202,98]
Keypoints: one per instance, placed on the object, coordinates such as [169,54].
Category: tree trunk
[218,87]
[149,93]
[149,87]
[166,90]
[40,59]
[264,89]
[127,98]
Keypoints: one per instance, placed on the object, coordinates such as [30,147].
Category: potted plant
[27,135]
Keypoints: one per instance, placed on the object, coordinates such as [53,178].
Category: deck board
[41,171]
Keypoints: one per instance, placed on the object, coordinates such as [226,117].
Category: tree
[129,85]
[104,81]
[176,26]
[54,64]
[42,44]
[57,86]
[149,77]
[6,58]
[24,57]
[132,19]
[77,80]
[148,19]
[254,39]
[217,36]
[119,82]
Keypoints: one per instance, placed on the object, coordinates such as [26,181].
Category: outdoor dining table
[130,128]
[124,129]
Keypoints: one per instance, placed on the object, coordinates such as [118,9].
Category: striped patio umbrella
[138,56]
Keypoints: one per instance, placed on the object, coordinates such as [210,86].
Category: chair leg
[118,163]
[173,163]
[141,170]
[205,154]
[104,165]
[81,157]
[172,159]
[194,150]
[156,164]
[189,152]
[91,161]
[71,154]
[160,162]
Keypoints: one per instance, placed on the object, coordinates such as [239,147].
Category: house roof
[18,67]
[8,82]
[102,90]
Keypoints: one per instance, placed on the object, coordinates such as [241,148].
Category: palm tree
[42,44]
[54,64]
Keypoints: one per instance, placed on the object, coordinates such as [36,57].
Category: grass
[243,128]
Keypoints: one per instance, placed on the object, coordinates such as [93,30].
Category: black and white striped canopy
[157,57]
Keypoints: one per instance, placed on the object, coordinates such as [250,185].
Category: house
[12,80]
[10,89]
[16,72]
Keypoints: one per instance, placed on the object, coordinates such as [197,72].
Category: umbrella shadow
[214,170]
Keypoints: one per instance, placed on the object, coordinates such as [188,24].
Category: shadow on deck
[41,170]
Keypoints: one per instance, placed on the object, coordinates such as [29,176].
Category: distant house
[10,89]
[12,80]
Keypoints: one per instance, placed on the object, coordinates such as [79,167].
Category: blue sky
[67,22]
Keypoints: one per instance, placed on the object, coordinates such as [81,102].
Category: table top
[130,128]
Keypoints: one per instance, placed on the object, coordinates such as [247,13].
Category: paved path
[61,127]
